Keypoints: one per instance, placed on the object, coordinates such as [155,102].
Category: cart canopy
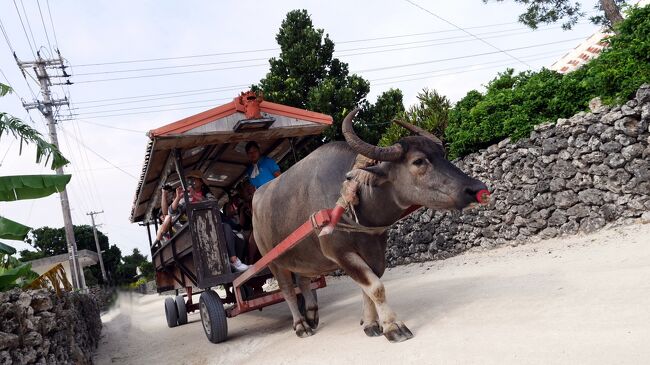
[213,141]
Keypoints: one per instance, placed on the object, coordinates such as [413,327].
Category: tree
[51,241]
[374,119]
[306,75]
[13,272]
[551,11]
[430,113]
[128,269]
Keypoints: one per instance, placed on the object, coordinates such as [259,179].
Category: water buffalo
[414,171]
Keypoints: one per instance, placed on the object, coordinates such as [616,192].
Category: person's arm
[173,209]
[275,169]
[164,207]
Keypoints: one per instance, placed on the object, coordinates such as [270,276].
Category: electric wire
[507,32]
[29,26]
[100,156]
[462,57]
[38,2]
[56,41]
[455,26]
[173,93]
[277,48]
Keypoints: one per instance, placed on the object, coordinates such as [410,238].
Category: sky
[224,47]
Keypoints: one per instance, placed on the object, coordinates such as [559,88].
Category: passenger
[199,191]
[165,218]
[262,169]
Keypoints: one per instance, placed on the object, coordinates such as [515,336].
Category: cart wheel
[213,316]
[182,310]
[171,312]
[302,306]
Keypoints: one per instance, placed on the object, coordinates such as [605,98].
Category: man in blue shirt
[262,169]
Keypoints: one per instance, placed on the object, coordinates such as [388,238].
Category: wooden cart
[196,255]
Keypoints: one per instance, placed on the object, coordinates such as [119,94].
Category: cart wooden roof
[213,141]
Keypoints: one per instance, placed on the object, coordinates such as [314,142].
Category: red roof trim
[232,107]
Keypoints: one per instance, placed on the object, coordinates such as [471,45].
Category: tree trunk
[612,12]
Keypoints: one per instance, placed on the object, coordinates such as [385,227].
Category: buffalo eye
[418,162]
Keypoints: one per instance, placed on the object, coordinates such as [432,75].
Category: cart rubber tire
[171,313]
[302,307]
[182,310]
[213,316]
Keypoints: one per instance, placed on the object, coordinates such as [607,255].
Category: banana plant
[14,273]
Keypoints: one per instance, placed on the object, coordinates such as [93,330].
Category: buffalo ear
[371,176]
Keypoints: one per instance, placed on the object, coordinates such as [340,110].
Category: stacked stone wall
[38,327]
[575,175]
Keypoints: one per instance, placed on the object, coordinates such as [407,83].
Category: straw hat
[197,174]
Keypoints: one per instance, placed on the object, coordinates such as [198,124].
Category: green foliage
[137,283]
[373,119]
[623,66]
[430,113]
[13,273]
[12,230]
[31,186]
[306,75]
[551,11]
[514,103]
[127,271]
[147,269]
[51,241]
[26,134]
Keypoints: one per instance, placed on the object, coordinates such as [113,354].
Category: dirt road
[578,300]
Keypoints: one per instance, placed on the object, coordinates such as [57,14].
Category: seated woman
[165,218]
[199,191]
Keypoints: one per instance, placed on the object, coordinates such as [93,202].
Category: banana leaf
[6,249]
[31,186]
[11,230]
[10,278]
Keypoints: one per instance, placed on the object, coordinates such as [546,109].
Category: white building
[585,51]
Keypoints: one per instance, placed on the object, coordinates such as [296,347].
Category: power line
[97,193]
[457,39]
[462,57]
[259,65]
[545,54]
[38,2]
[98,155]
[374,84]
[24,30]
[173,94]
[455,26]
[29,26]
[264,59]
[155,106]
[52,22]
[4,33]
[147,112]
[87,113]
[110,126]
[277,48]
[171,73]
[454,73]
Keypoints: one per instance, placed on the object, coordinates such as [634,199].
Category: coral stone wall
[572,176]
[37,327]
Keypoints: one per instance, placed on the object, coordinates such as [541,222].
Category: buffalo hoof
[303,329]
[397,332]
[312,317]
[372,329]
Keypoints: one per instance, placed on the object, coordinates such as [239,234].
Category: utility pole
[40,67]
[99,250]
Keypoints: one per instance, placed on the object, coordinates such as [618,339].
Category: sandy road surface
[579,300]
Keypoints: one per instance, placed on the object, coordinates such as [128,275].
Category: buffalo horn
[417,130]
[392,153]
